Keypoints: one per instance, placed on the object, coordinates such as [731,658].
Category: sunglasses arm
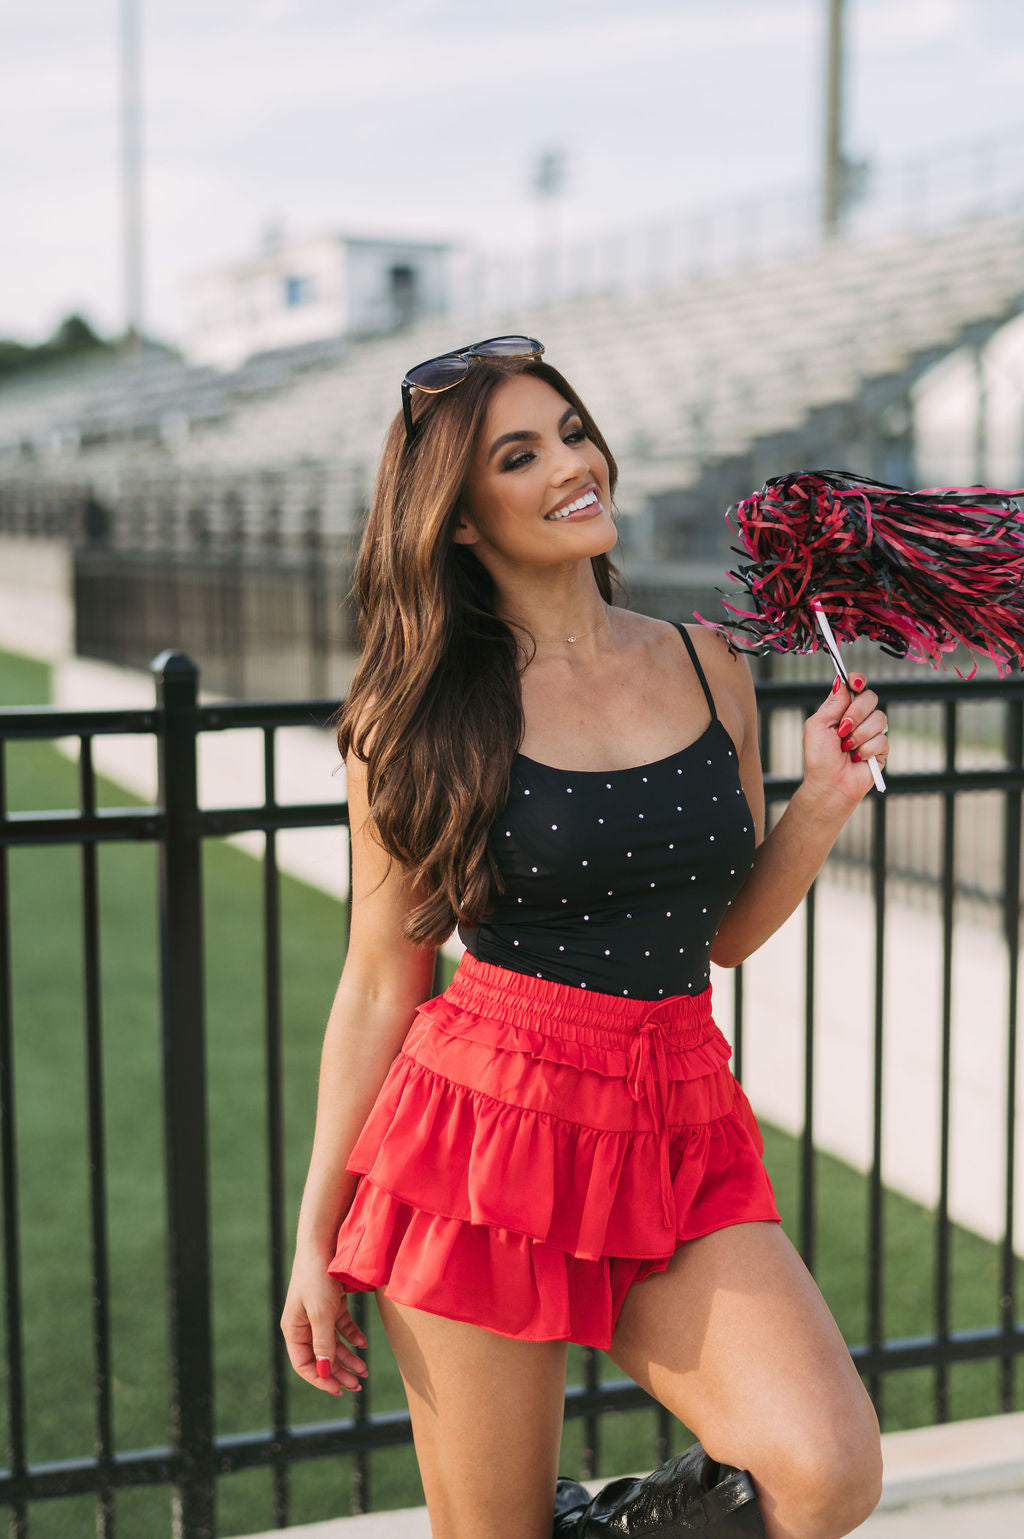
[407,411]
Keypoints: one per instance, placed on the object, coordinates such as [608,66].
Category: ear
[464,531]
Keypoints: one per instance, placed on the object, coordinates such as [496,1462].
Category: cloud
[425,115]
[887,26]
[494,64]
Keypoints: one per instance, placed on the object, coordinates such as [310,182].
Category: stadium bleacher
[679,376]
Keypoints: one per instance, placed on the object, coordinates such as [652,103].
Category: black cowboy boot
[570,1500]
[688,1493]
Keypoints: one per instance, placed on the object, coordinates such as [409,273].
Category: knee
[827,1488]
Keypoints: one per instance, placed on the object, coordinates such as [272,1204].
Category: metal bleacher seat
[692,369]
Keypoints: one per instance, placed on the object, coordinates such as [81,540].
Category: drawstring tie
[648,1073]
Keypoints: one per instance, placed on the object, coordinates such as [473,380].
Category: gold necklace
[582,637]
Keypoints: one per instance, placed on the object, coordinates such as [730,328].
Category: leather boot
[687,1494]
[570,1500]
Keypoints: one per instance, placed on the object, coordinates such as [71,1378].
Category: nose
[570,463]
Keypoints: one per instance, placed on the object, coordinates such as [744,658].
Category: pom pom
[918,572]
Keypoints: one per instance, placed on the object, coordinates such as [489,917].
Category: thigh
[737,1341]
[487,1422]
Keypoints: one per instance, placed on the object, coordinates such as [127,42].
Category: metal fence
[269,624]
[196,1458]
[251,573]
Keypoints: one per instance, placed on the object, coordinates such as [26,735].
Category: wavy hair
[435,708]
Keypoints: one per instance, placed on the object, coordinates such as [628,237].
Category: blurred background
[756,234]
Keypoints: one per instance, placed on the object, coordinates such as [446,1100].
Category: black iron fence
[196,1458]
[250,572]
[269,623]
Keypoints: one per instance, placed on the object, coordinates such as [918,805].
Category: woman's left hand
[845,731]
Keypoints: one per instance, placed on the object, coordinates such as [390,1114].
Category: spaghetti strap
[700,671]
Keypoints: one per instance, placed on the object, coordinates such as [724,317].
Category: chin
[605,539]
[600,542]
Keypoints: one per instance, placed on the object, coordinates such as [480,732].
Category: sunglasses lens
[437,373]
[507,347]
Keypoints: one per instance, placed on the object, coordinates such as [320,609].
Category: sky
[425,117]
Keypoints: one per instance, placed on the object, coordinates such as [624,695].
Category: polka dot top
[617,880]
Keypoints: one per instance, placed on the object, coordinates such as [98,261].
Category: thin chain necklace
[581,637]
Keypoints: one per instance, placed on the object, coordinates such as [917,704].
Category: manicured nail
[845,727]
[855,757]
[835,686]
[857,681]
[323,1367]
[845,744]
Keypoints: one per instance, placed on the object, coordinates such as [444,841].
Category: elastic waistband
[522,999]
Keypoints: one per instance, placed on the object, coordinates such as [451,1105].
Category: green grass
[53,1194]
[23,681]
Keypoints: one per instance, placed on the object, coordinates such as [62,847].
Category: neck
[584,634]
[553,605]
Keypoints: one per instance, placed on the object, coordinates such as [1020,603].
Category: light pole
[548,180]
[131,174]
[835,165]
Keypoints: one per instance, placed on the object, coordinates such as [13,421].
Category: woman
[555,1149]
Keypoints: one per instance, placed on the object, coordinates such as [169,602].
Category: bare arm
[788,860]
[383,980]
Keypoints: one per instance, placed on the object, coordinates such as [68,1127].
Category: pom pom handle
[830,642]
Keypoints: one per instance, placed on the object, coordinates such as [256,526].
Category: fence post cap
[171,662]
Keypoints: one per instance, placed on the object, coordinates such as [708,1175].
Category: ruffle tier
[523,1179]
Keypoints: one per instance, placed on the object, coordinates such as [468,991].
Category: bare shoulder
[732,686]
[726,669]
[727,672]
[645,632]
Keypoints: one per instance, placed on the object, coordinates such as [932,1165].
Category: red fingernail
[835,686]
[857,681]
[323,1367]
[845,744]
[855,757]
[845,727]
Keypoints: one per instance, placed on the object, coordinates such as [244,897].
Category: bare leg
[487,1422]
[735,1339]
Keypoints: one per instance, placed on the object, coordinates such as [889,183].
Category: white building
[305,290]
[968,414]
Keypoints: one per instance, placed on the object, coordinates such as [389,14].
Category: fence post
[1013,740]
[184,1066]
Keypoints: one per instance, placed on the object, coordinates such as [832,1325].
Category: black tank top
[617,880]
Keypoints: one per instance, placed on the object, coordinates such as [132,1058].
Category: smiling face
[538,490]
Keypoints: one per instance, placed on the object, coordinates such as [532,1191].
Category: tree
[73,337]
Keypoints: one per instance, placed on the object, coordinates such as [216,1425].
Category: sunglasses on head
[449,369]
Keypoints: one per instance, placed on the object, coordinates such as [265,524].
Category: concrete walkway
[995,1517]
[961,1481]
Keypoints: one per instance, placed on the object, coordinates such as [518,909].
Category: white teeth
[585,501]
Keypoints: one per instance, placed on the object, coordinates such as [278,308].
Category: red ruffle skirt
[538,1148]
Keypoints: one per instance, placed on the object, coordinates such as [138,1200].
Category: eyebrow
[523,436]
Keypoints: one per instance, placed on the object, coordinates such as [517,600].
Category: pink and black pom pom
[918,572]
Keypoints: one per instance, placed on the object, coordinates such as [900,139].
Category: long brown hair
[435,709]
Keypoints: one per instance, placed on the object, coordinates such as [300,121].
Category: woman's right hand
[318,1329]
